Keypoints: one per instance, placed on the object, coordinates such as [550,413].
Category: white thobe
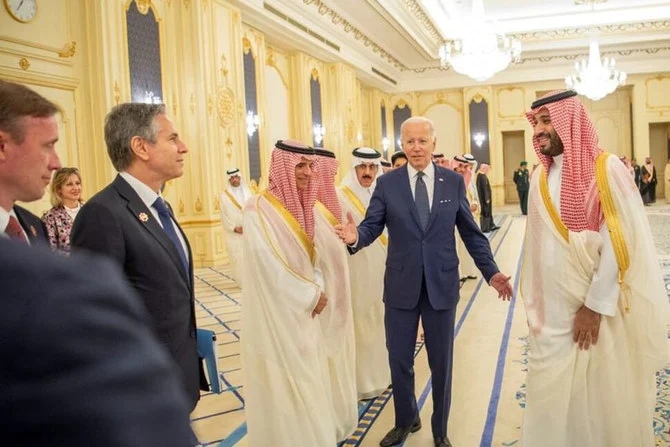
[231,218]
[337,322]
[603,396]
[286,384]
[366,270]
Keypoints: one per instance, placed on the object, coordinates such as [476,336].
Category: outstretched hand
[347,231]
[501,283]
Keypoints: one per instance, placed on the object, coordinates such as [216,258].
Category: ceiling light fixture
[481,52]
[596,78]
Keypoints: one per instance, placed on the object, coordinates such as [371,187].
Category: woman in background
[66,202]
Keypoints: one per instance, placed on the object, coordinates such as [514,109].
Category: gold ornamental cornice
[415,8]
[246,45]
[565,33]
[143,6]
[349,28]
[69,49]
[565,57]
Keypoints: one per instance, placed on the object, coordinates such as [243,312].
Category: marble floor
[489,366]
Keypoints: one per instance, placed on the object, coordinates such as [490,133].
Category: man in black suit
[28,136]
[129,222]
[78,364]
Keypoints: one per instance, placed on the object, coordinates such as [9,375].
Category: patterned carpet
[489,414]
[660,224]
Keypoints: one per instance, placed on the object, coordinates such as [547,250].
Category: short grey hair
[126,121]
[419,120]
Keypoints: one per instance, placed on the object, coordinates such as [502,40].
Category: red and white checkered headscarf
[281,181]
[326,169]
[571,122]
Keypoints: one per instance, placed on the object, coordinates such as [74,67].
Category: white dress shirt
[428,179]
[148,197]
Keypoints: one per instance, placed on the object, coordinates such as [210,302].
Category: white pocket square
[441,179]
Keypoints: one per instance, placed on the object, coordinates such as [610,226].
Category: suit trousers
[401,333]
[523,201]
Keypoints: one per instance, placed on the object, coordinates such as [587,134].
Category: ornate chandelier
[481,52]
[595,79]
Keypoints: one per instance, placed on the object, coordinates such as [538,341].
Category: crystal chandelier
[596,78]
[481,52]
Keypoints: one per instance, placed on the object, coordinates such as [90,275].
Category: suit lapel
[144,215]
[407,192]
[27,222]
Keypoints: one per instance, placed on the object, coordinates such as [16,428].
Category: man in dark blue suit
[78,362]
[421,204]
[130,222]
[28,136]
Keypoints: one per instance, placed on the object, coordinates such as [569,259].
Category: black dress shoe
[397,435]
[471,277]
[442,442]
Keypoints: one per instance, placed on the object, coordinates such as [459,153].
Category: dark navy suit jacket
[32,225]
[115,222]
[413,252]
[78,364]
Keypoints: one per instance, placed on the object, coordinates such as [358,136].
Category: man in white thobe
[367,278]
[466,266]
[286,385]
[233,200]
[337,321]
[592,288]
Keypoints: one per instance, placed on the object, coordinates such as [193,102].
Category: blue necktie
[166,221]
[421,200]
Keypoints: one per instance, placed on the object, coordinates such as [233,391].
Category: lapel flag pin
[143,217]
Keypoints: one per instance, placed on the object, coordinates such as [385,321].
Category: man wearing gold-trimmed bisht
[286,385]
[592,288]
[337,321]
[366,269]
[233,200]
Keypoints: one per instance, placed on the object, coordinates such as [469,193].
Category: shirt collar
[4,218]
[147,195]
[428,172]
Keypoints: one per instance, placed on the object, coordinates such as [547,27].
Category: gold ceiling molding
[566,57]
[424,19]
[349,28]
[658,25]
[572,57]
